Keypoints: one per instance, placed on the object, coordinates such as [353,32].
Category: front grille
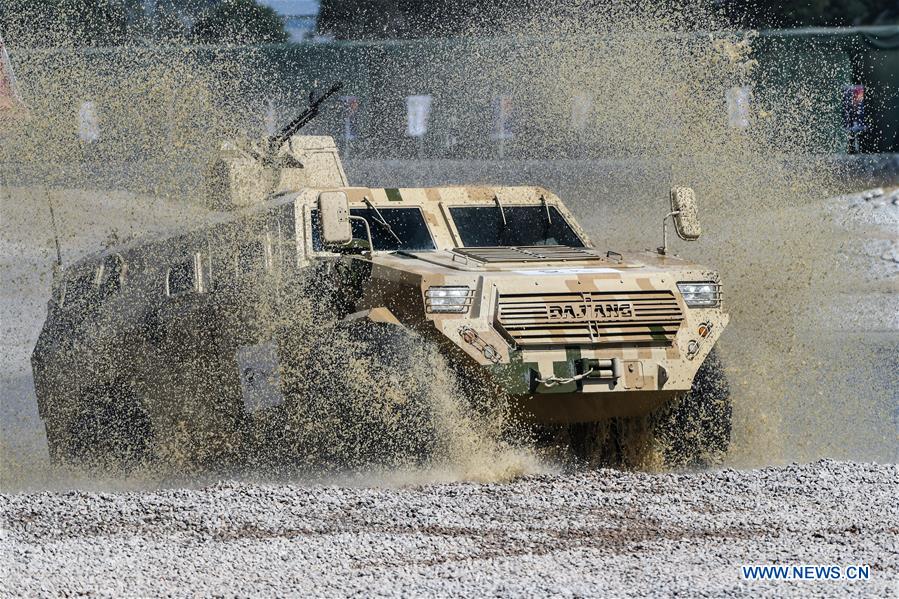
[648,318]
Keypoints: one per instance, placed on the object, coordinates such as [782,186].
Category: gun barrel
[276,141]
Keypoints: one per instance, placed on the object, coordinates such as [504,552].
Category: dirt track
[599,533]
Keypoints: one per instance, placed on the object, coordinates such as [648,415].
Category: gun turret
[243,174]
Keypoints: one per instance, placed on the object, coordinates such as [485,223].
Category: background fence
[471,98]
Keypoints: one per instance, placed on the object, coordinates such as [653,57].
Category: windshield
[406,231]
[483,226]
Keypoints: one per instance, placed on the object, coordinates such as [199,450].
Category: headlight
[703,294]
[447,299]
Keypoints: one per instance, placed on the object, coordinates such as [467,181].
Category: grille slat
[531,322]
[638,315]
[590,318]
[570,327]
[575,297]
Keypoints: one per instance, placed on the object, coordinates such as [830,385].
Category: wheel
[56,440]
[695,429]
[578,445]
[360,396]
[692,430]
[110,432]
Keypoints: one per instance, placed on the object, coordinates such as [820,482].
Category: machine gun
[276,142]
[246,172]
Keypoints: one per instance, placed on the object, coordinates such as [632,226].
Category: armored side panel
[243,175]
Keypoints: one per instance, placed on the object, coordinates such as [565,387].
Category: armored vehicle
[172,346]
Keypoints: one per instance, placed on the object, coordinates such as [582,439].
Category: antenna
[55,231]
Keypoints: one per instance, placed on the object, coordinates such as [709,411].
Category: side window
[392,229]
[183,277]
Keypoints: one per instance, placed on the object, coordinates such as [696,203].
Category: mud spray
[807,380]
[809,355]
[813,370]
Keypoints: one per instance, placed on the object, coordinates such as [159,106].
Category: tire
[695,429]
[578,445]
[692,430]
[56,441]
[110,432]
[354,404]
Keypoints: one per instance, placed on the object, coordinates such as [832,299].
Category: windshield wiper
[549,220]
[501,211]
[380,220]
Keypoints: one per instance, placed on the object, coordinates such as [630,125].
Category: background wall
[802,66]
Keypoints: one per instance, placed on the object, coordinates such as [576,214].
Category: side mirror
[334,216]
[686,214]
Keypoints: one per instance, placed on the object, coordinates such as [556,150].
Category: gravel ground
[592,533]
